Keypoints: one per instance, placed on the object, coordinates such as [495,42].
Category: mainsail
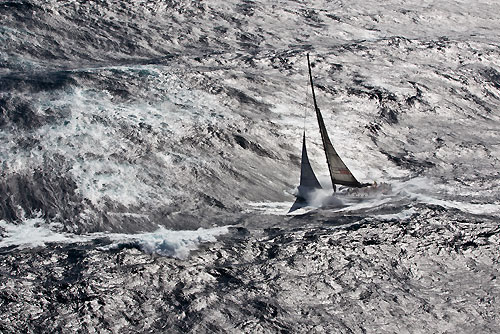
[339,173]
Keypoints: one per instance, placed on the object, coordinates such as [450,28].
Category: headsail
[308,180]
[339,172]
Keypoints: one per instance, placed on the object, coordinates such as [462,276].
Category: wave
[37,232]
[187,112]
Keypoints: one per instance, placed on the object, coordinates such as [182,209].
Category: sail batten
[339,173]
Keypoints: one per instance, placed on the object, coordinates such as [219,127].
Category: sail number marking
[342,171]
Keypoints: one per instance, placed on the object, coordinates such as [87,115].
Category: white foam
[167,242]
[36,232]
[316,199]
[398,216]
[354,203]
[474,208]
[324,197]
[272,208]
[423,190]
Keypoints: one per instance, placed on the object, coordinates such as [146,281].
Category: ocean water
[150,151]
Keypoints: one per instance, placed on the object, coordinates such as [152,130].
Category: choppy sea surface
[150,151]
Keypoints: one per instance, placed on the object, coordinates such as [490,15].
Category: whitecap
[37,232]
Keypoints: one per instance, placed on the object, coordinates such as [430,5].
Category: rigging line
[308,97]
[305,115]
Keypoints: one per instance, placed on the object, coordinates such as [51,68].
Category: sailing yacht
[339,173]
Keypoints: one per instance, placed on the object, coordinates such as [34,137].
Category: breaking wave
[37,232]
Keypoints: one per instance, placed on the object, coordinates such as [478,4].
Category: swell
[180,113]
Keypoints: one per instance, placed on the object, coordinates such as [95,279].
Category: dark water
[126,127]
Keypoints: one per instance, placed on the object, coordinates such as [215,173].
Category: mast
[320,121]
[339,173]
